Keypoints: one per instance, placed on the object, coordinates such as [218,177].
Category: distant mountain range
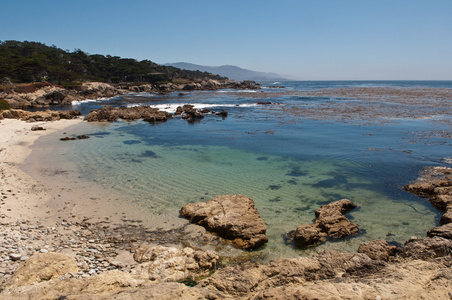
[232,72]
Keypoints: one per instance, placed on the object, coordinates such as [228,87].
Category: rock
[232,217]
[330,222]
[252,279]
[36,128]
[83,137]
[222,113]
[15,256]
[39,115]
[67,138]
[171,264]
[111,114]
[307,235]
[435,183]
[42,267]
[377,250]
[426,248]
[446,218]
[444,231]
[264,102]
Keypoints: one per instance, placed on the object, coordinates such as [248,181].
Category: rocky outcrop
[330,223]
[111,114]
[160,263]
[39,116]
[191,114]
[435,183]
[232,217]
[25,96]
[43,267]
[426,248]
[252,281]
[378,250]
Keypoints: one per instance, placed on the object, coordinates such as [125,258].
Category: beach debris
[232,217]
[330,223]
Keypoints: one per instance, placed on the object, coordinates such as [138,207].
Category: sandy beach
[23,198]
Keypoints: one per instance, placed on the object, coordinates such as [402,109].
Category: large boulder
[330,222]
[43,267]
[111,114]
[160,263]
[232,217]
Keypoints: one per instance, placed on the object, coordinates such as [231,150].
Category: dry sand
[42,193]
[22,197]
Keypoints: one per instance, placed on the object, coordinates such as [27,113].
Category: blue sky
[312,40]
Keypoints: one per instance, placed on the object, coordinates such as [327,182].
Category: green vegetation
[4,105]
[24,62]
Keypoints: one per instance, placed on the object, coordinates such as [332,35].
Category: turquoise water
[288,165]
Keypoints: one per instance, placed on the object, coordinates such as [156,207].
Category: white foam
[448,160]
[77,102]
[237,91]
[172,107]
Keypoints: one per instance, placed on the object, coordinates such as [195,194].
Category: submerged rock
[330,222]
[232,217]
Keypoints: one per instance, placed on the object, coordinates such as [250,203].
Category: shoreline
[103,249]
[23,194]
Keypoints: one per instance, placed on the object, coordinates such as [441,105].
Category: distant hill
[24,62]
[232,72]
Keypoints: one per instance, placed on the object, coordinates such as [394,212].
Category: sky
[309,40]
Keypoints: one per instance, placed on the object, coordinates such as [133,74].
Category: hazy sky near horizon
[312,40]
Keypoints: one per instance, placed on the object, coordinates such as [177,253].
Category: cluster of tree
[36,62]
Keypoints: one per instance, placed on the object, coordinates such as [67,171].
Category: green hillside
[24,62]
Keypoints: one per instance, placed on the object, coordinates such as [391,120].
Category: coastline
[104,248]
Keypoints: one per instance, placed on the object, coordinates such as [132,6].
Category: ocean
[289,163]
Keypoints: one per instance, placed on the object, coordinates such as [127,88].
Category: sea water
[289,165]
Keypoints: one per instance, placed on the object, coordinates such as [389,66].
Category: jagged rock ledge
[25,96]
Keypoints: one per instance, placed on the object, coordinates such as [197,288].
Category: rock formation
[160,263]
[111,114]
[39,116]
[43,267]
[330,222]
[32,95]
[378,250]
[232,217]
[435,183]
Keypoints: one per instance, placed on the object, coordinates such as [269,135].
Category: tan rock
[377,250]
[43,267]
[330,222]
[171,264]
[232,217]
